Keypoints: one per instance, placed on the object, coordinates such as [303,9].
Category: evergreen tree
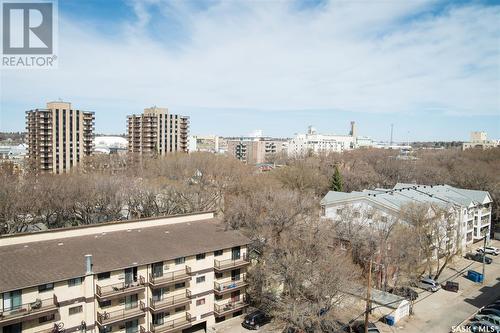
[336,183]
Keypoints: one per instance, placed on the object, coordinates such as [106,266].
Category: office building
[157,131]
[58,137]
[156,275]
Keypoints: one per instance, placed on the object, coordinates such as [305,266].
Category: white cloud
[358,56]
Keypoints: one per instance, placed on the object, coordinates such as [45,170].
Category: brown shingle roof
[42,262]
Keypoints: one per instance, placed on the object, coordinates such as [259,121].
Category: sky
[431,68]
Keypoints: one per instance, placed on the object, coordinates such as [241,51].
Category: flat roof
[30,264]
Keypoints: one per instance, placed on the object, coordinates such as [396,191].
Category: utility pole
[368,295]
[484,256]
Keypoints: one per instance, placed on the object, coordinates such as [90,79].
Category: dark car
[405,292]
[478,257]
[360,328]
[493,306]
[482,326]
[490,311]
[255,320]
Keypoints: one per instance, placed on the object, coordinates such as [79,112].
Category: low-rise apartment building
[156,275]
[255,150]
[471,209]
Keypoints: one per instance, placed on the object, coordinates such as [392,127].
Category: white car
[489,250]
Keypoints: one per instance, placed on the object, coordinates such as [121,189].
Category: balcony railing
[108,318]
[221,265]
[170,301]
[231,306]
[120,289]
[166,278]
[29,311]
[224,287]
[173,325]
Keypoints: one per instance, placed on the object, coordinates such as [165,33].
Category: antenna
[392,130]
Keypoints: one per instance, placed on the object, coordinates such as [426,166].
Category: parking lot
[433,312]
[440,311]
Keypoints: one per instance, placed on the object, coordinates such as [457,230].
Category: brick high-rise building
[157,131]
[59,136]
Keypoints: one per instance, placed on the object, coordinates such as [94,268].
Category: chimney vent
[88,264]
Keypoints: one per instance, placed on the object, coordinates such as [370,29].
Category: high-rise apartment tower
[58,136]
[157,131]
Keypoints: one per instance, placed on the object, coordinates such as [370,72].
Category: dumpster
[451,286]
[389,320]
[472,275]
[475,276]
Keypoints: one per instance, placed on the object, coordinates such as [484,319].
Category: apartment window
[200,256]
[200,279]
[76,309]
[180,261]
[105,329]
[75,282]
[45,319]
[105,304]
[103,276]
[218,275]
[180,309]
[180,285]
[200,301]
[45,287]
[218,297]
[218,253]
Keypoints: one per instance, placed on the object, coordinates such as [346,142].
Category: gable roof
[402,194]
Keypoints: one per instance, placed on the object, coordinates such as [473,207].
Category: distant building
[110,145]
[157,131]
[255,150]
[59,137]
[312,142]
[207,143]
[479,140]
[472,209]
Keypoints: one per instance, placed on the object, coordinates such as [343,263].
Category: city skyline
[427,67]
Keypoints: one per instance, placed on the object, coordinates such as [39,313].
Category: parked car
[483,326]
[428,284]
[359,327]
[405,292]
[256,319]
[490,318]
[493,306]
[478,257]
[490,311]
[489,250]
[451,286]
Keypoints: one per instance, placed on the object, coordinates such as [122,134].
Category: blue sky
[430,67]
